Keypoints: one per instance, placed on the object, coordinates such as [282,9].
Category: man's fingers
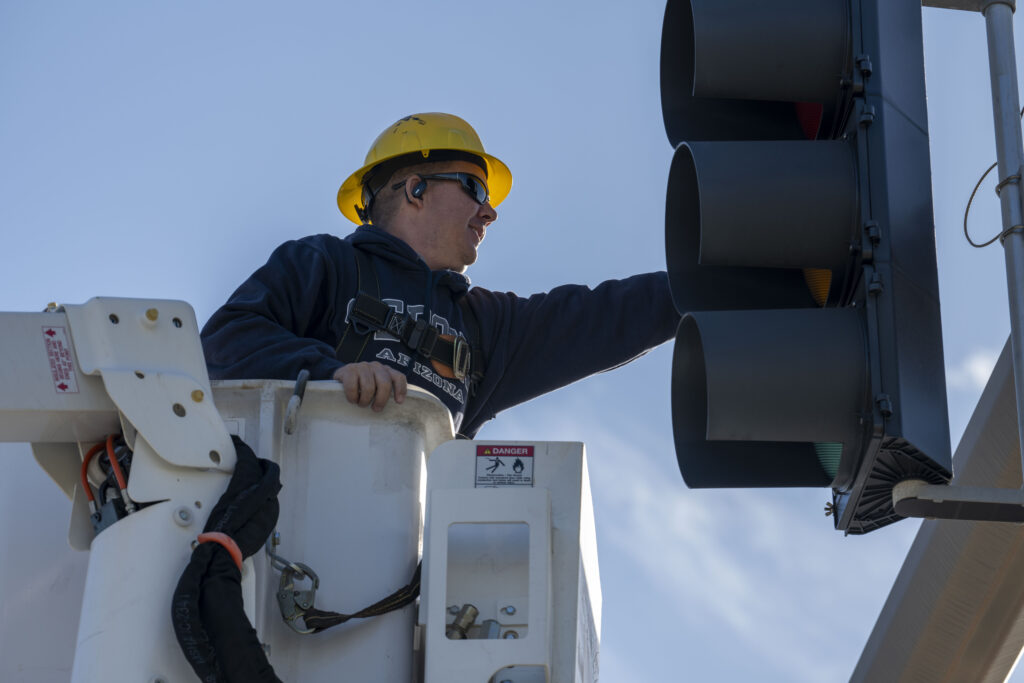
[367,379]
[357,381]
[371,383]
[399,385]
[387,380]
[349,381]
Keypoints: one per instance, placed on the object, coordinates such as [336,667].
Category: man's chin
[468,261]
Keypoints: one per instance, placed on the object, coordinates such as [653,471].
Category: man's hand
[371,383]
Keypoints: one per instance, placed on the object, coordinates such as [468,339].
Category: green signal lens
[829,453]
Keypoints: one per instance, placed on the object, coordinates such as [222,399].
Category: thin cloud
[972,372]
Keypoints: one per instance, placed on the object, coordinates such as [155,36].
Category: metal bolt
[453,609]
[182,516]
[197,395]
[152,314]
[511,635]
[508,609]
[458,629]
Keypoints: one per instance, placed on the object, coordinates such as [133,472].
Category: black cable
[1006,181]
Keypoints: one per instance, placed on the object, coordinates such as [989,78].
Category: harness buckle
[368,314]
[423,337]
[461,357]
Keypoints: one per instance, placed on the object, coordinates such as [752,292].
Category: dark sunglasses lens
[476,189]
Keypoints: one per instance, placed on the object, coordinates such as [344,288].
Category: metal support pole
[1010,155]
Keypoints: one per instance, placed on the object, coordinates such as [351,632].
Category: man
[423,200]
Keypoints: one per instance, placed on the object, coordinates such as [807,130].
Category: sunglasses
[473,186]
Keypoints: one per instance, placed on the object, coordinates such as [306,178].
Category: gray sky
[164,149]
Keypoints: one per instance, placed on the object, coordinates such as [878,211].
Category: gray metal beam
[967,5]
[955,611]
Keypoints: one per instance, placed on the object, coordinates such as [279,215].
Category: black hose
[207,611]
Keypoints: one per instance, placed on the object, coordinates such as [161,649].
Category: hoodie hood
[397,252]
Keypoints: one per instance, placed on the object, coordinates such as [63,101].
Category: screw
[182,516]
[509,610]
[197,395]
[152,314]
[511,635]
[453,609]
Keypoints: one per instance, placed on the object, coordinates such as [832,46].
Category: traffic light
[801,250]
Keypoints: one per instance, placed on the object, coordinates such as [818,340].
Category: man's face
[454,223]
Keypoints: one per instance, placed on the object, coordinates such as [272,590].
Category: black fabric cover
[209,621]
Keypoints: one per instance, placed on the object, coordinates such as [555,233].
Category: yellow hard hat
[424,137]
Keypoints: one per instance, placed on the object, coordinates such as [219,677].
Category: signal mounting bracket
[917,498]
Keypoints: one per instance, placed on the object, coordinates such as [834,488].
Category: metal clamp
[1009,180]
[294,603]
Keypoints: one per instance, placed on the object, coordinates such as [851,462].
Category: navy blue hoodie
[291,313]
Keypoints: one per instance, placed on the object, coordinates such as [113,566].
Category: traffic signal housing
[800,247]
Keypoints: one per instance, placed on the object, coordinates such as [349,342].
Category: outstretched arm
[569,333]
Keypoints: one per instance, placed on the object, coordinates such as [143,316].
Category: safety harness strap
[318,619]
[476,353]
[353,341]
[452,356]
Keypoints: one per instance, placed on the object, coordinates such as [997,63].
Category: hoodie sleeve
[550,340]
[280,320]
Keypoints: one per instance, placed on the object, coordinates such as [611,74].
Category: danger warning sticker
[62,363]
[504,466]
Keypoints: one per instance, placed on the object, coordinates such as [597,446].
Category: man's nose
[487,213]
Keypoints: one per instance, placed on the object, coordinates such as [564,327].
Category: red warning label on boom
[61,359]
[504,466]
